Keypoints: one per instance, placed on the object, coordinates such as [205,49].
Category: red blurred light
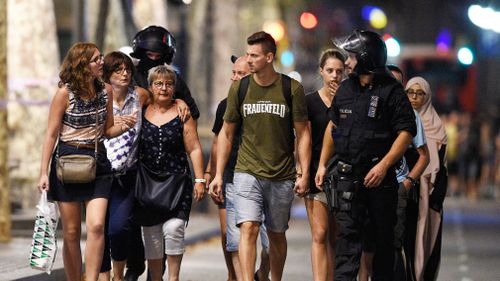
[308,20]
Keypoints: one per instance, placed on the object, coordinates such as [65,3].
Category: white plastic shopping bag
[44,244]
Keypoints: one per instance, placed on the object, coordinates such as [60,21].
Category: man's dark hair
[264,38]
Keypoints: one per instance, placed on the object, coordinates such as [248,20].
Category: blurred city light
[465,56]
[366,11]
[295,75]
[485,18]
[443,41]
[187,2]
[378,19]
[275,28]
[393,46]
[308,20]
[287,58]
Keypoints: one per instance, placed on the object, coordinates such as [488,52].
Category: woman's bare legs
[72,255]
[318,220]
[95,220]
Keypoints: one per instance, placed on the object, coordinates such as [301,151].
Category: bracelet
[207,172]
[200,180]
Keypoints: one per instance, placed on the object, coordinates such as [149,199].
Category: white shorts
[167,237]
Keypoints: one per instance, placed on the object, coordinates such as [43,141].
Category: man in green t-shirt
[265,169]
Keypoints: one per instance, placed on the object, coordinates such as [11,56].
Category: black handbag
[157,194]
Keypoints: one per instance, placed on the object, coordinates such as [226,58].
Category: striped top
[79,119]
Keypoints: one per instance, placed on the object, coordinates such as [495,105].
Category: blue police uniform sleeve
[403,118]
[182,92]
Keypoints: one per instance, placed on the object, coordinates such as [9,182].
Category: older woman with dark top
[165,144]
[81,99]
[122,153]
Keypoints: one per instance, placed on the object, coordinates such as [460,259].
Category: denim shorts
[256,198]
[232,231]
[320,196]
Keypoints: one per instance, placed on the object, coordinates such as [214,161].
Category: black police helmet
[370,51]
[154,38]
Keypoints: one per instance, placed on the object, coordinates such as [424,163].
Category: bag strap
[96,122]
[96,126]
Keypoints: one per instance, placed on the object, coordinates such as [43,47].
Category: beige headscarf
[433,127]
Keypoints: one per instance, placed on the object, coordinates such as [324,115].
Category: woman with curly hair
[81,98]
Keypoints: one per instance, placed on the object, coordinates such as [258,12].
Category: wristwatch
[200,180]
[412,181]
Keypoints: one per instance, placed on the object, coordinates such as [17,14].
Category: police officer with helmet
[154,46]
[372,125]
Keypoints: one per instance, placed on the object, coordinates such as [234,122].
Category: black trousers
[365,221]
[135,261]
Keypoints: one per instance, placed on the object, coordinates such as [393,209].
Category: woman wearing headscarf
[433,183]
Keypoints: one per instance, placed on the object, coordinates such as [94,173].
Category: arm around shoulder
[144,96]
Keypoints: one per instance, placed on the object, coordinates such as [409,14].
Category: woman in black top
[164,147]
[331,69]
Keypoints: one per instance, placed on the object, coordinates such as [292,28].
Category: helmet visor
[351,43]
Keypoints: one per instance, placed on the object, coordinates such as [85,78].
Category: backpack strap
[242,90]
[286,84]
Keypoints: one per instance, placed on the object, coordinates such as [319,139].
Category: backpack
[286,83]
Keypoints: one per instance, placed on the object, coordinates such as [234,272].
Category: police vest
[364,133]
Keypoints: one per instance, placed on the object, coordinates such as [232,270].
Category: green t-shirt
[265,149]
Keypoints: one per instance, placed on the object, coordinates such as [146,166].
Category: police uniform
[367,121]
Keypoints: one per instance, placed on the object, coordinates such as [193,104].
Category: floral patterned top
[162,148]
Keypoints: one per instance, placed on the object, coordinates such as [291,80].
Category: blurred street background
[454,45]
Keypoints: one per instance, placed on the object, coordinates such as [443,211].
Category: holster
[346,186]
[330,187]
